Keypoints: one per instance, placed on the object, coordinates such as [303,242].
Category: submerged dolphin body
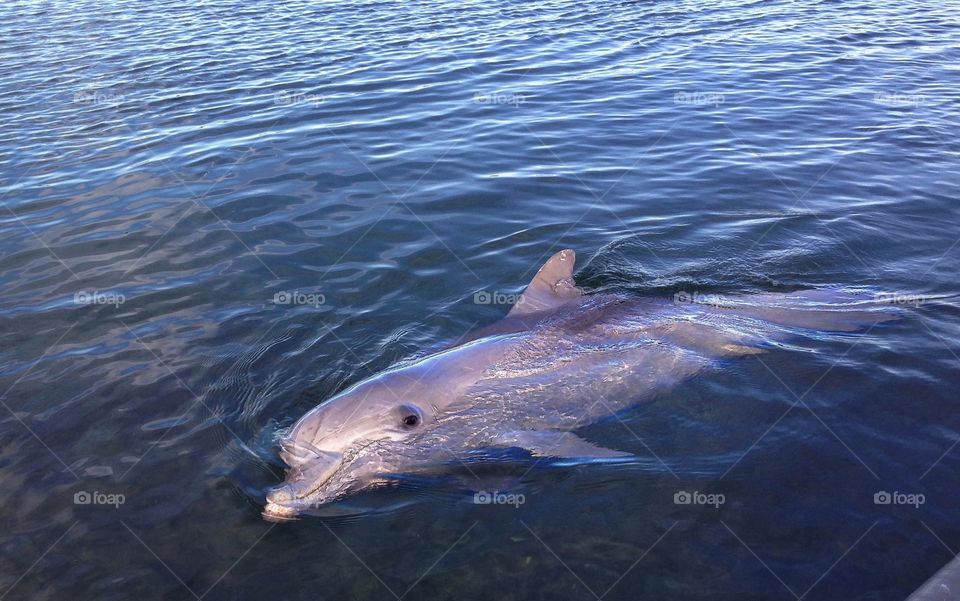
[560,360]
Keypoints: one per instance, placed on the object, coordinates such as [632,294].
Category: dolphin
[561,359]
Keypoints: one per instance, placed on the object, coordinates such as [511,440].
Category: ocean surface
[217,214]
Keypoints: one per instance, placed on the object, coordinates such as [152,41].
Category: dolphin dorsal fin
[551,287]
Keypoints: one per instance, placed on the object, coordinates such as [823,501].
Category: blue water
[169,168]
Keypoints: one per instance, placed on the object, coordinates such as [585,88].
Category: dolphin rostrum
[559,360]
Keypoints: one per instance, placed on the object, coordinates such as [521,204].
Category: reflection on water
[217,214]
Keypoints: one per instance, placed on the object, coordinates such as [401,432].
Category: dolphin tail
[832,310]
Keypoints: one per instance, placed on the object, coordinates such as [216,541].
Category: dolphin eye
[410,416]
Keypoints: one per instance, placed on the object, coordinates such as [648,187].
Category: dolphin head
[350,443]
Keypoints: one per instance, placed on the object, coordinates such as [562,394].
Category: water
[170,169]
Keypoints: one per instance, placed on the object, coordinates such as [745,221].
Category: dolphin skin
[561,359]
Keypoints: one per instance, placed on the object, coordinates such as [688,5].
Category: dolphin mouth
[304,480]
[273,512]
